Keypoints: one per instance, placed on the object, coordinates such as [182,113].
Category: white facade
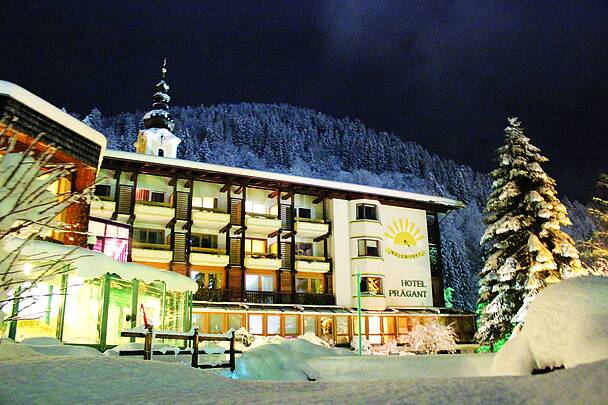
[391,250]
[157,142]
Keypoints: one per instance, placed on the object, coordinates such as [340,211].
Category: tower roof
[159,116]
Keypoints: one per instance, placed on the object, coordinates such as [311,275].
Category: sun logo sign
[405,236]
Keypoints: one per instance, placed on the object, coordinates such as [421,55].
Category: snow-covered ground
[43,371]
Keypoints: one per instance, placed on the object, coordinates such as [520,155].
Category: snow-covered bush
[366,347]
[430,338]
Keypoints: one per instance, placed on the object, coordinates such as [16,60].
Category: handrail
[195,337]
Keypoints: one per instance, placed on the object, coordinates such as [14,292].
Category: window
[161,153]
[304,213]
[255,245]
[367,211]
[102,190]
[204,202]
[216,323]
[368,247]
[255,324]
[310,324]
[309,285]
[291,324]
[303,248]
[235,321]
[255,207]
[210,280]
[109,239]
[149,236]
[148,195]
[259,282]
[204,240]
[371,285]
[273,325]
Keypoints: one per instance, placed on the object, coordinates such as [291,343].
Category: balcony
[210,218]
[153,212]
[263,297]
[211,294]
[262,261]
[311,228]
[102,208]
[313,299]
[366,227]
[208,257]
[262,223]
[312,264]
[151,252]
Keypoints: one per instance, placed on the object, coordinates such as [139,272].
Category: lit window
[273,325]
[367,211]
[259,282]
[368,247]
[255,324]
[371,285]
[291,324]
[309,285]
[255,208]
[255,246]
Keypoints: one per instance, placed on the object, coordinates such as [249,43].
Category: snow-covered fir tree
[595,250]
[527,250]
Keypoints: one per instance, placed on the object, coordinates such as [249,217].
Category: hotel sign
[406,257]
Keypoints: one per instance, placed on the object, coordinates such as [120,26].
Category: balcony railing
[263,297]
[211,294]
[273,297]
[314,299]
[209,251]
[153,246]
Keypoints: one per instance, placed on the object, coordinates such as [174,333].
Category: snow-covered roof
[89,264]
[287,178]
[45,108]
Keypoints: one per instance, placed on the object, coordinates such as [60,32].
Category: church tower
[157,138]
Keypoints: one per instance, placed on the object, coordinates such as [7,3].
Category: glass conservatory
[83,306]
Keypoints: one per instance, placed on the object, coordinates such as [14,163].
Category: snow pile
[566,325]
[163,348]
[281,359]
[53,347]
[9,350]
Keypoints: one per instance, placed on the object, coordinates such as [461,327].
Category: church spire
[159,116]
[157,138]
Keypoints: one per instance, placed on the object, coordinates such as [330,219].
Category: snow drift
[567,325]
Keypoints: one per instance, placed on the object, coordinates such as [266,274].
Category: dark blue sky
[443,74]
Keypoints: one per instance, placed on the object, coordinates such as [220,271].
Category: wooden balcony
[211,294]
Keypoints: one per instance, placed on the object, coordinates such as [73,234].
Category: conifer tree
[527,250]
[595,250]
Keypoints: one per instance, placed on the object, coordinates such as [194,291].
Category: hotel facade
[273,253]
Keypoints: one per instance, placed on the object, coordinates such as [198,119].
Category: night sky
[443,74]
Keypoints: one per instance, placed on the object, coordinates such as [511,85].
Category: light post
[359,310]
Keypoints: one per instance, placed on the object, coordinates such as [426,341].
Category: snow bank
[362,368]
[282,359]
[9,350]
[51,346]
[566,325]
[68,380]
[140,346]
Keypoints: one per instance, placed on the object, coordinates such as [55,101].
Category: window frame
[366,251]
[148,232]
[364,212]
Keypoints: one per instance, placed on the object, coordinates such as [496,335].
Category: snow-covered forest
[288,139]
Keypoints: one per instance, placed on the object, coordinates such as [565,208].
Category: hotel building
[273,253]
